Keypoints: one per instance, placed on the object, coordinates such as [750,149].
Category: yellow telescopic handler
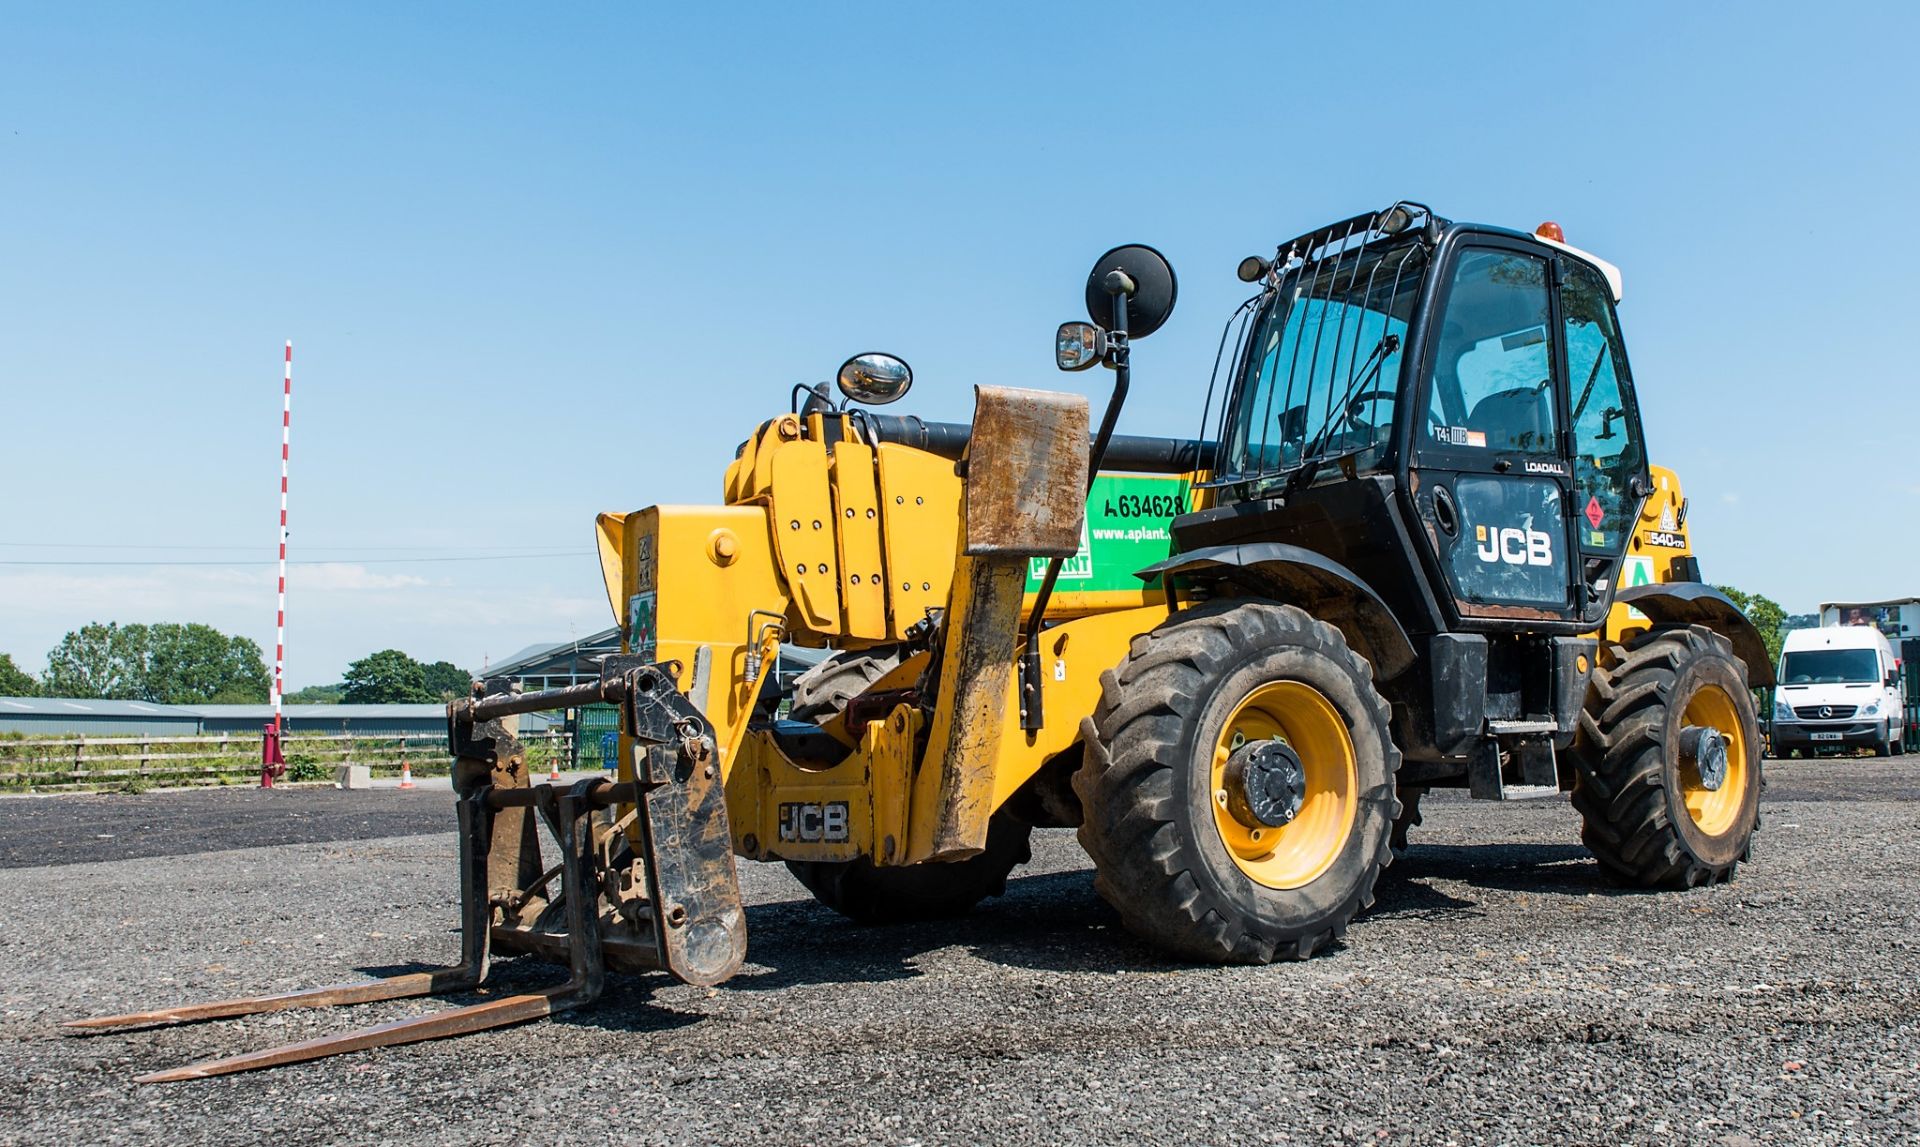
[1418,545]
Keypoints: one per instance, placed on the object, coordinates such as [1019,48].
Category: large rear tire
[1217,720]
[1658,809]
[862,892]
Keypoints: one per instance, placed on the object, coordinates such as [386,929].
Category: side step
[1530,744]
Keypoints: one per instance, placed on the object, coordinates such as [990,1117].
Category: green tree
[168,663]
[448,681]
[197,663]
[97,660]
[15,681]
[316,695]
[1766,615]
[386,677]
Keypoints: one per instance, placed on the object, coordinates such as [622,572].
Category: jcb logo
[1514,547]
[810,823]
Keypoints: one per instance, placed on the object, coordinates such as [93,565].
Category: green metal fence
[596,735]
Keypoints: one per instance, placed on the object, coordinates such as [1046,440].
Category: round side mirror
[1150,301]
[874,379]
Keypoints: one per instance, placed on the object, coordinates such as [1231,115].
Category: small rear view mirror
[1077,346]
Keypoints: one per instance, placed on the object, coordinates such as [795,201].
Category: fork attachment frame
[672,904]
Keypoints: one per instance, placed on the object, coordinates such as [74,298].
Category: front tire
[1657,809]
[1192,862]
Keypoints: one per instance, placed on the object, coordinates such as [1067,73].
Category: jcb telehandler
[1422,547]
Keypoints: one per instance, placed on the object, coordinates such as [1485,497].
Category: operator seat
[1515,420]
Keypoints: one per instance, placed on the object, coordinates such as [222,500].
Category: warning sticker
[1595,515]
[1636,571]
[1460,436]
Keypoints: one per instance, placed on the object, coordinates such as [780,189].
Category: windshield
[1320,375]
[1829,667]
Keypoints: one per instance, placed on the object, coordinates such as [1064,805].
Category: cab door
[1610,478]
[1489,471]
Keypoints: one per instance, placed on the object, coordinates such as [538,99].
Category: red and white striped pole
[273,760]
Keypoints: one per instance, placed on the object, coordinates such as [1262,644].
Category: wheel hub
[1705,748]
[1265,784]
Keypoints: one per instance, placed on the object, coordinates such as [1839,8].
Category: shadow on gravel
[1414,899]
[1050,922]
[627,1003]
[1554,869]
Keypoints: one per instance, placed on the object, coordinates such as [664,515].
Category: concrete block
[353,777]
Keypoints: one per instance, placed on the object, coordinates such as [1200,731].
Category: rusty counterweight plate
[1026,473]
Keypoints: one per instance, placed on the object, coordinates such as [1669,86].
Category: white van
[1839,688]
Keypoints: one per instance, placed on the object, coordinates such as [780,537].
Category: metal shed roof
[434,711]
[93,707]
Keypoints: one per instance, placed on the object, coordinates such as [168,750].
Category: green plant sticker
[1127,528]
[643,633]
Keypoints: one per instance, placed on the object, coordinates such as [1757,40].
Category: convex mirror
[875,379]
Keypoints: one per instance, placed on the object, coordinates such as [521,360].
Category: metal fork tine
[568,815]
[475,926]
[392,988]
[459,1021]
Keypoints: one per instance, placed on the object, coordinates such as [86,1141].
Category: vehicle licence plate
[1827,736]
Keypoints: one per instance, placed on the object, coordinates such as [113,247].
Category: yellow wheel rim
[1296,853]
[1715,810]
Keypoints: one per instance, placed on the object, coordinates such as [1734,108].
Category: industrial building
[71,716]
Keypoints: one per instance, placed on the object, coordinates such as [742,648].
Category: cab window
[1492,386]
[1607,453]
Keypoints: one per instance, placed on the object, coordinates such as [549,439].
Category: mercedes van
[1839,689]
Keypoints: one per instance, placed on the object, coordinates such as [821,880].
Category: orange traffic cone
[553,774]
[406,774]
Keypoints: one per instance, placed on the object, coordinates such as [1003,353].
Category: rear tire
[870,894]
[1648,813]
[867,894]
[1170,854]
[823,691]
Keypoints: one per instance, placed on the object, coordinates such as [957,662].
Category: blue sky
[540,262]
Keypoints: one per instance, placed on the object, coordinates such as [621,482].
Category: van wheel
[1668,755]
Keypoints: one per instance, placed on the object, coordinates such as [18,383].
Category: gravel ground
[1501,992]
[36,831]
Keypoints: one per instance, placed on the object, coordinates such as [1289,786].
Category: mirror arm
[1031,714]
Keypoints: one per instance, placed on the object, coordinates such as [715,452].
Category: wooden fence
[77,762]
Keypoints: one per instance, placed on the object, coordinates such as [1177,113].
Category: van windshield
[1829,667]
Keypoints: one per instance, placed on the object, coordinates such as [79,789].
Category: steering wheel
[1362,400]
